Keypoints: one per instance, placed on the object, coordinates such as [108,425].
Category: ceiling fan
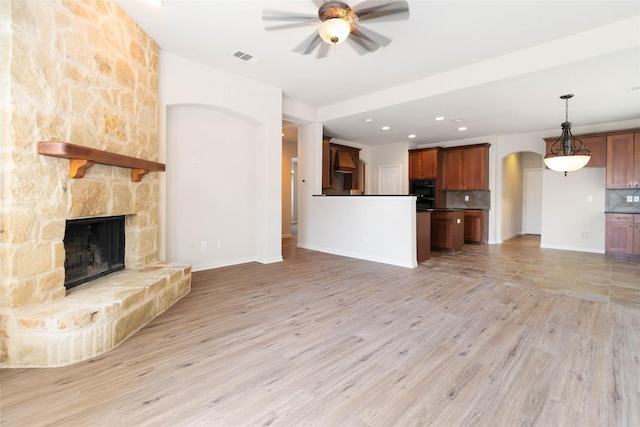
[337,22]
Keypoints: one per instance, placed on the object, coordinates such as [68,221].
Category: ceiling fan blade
[318,2]
[371,36]
[361,45]
[309,44]
[280,15]
[393,11]
[324,50]
[287,26]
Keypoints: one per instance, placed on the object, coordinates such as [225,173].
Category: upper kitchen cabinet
[423,163]
[466,168]
[327,173]
[343,160]
[623,160]
[595,143]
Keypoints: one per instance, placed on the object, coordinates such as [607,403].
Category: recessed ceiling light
[458,120]
[440,118]
[385,128]
[462,128]
[412,136]
[368,120]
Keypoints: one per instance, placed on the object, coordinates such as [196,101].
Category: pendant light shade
[567,154]
[334,30]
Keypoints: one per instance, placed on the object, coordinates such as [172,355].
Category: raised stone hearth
[95,317]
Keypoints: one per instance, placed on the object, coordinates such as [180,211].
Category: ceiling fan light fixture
[334,30]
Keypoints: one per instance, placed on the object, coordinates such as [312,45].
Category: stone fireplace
[85,73]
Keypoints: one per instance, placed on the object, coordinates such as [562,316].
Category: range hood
[344,162]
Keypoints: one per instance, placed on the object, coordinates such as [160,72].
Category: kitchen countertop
[622,212]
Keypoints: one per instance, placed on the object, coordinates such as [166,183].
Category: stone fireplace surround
[61,327]
[85,73]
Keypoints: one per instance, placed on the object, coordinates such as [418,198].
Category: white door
[389,179]
[532,201]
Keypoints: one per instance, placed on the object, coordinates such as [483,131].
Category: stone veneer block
[92,319]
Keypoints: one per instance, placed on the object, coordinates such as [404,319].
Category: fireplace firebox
[94,247]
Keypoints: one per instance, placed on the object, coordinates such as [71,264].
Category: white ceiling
[499,65]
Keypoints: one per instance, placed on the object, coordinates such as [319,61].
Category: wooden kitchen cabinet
[331,155]
[327,172]
[636,234]
[476,229]
[466,168]
[447,230]
[423,163]
[452,169]
[623,160]
[423,236]
[621,234]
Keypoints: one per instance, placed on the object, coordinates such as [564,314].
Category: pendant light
[565,155]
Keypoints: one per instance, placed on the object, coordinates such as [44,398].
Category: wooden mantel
[82,158]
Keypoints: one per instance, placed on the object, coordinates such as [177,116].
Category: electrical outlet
[589,198]
[203,245]
[219,243]
[636,199]
[586,234]
[458,221]
[194,160]
[629,199]
[466,198]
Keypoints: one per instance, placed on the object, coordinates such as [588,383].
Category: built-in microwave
[425,190]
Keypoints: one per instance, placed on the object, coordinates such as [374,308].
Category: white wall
[566,213]
[390,155]
[289,151]
[205,198]
[374,228]
[244,205]
[512,196]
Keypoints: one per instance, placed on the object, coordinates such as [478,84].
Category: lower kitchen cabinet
[447,230]
[476,226]
[622,234]
[423,236]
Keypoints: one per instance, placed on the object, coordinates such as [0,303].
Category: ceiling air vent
[245,56]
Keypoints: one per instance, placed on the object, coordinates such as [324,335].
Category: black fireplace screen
[94,247]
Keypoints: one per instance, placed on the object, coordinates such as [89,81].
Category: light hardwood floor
[498,335]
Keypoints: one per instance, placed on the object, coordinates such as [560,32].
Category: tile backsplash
[616,201]
[478,199]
